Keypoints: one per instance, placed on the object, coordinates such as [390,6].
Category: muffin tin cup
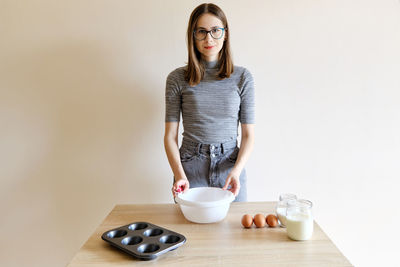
[144,240]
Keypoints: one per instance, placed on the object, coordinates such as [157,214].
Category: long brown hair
[195,69]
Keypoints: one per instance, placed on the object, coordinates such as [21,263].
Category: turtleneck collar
[210,64]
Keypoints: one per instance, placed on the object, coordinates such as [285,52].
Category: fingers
[180,186]
[227,183]
[235,185]
[235,191]
[185,187]
[177,189]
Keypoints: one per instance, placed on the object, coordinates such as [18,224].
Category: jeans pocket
[233,155]
[186,155]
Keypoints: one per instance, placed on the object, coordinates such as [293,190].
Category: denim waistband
[207,148]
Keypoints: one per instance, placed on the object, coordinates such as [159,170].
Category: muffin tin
[144,240]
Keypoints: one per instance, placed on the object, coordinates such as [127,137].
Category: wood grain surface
[225,243]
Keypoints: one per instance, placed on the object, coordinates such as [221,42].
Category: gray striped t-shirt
[211,110]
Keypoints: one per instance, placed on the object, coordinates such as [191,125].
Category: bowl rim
[205,204]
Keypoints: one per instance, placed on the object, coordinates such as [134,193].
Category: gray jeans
[208,165]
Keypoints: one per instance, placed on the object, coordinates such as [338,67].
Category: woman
[213,96]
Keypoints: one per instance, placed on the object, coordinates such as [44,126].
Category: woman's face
[209,47]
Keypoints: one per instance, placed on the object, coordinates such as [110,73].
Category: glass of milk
[299,220]
[281,207]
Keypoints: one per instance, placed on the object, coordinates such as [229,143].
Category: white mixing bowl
[205,204]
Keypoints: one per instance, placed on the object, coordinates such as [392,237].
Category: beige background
[82,109]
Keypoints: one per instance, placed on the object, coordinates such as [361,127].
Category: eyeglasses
[201,34]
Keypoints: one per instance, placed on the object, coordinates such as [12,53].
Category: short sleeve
[247,99]
[172,99]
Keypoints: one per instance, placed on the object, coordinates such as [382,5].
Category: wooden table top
[225,243]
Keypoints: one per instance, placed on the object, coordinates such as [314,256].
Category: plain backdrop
[82,115]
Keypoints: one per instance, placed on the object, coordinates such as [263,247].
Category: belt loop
[222,148]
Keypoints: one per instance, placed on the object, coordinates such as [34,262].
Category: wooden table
[225,243]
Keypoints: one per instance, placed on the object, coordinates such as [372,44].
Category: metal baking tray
[144,240]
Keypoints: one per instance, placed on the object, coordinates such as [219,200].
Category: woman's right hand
[180,186]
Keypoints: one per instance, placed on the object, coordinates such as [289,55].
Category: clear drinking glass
[299,219]
[280,209]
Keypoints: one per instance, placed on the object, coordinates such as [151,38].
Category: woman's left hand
[233,181]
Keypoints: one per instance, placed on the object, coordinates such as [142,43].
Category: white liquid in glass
[299,226]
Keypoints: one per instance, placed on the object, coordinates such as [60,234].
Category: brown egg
[247,220]
[272,221]
[259,220]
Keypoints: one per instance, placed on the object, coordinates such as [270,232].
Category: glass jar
[287,196]
[299,219]
[281,207]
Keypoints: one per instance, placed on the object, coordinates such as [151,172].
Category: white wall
[82,110]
